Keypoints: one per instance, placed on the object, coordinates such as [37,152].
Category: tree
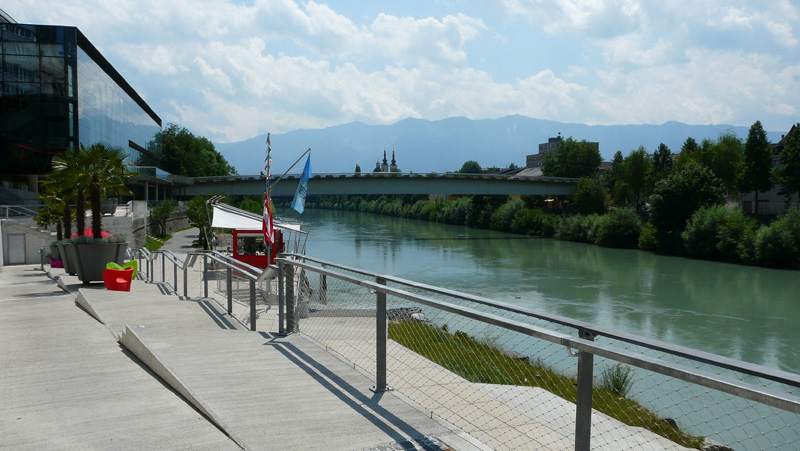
[676,197]
[61,182]
[788,170]
[183,153]
[572,159]
[662,162]
[161,214]
[589,196]
[253,205]
[471,167]
[103,173]
[756,173]
[637,168]
[722,156]
[198,217]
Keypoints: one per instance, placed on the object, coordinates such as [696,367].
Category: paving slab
[66,384]
[269,390]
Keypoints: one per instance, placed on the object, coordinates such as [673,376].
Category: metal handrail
[584,344]
[23,210]
[252,273]
[583,327]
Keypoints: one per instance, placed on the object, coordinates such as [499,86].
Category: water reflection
[743,312]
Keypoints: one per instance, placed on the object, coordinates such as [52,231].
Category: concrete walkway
[74,387]
[67,384]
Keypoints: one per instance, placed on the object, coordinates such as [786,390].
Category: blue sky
[230,70]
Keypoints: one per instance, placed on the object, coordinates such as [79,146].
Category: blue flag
[299,202]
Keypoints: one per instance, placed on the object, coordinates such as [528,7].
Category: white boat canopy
[227,217]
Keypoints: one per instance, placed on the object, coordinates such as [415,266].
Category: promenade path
[160,371]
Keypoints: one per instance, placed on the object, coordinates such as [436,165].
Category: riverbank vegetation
[481,362]
[681,205]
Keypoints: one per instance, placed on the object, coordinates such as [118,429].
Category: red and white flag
[269,227]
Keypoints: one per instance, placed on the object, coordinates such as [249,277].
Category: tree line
[673,204]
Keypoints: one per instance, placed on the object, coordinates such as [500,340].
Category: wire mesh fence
[512,390]
[505,386]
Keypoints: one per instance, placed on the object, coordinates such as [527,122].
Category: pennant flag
[268,226]
[299,202]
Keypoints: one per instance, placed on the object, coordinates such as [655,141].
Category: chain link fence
[507,376]
[513,390]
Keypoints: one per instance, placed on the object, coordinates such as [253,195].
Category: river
[743,312]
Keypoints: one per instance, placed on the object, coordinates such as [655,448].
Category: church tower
[393,167]
[385,165]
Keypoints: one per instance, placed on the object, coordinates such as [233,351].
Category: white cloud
[230,71]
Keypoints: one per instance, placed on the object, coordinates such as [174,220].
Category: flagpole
[290,167]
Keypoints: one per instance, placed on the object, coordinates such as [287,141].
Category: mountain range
[444,145]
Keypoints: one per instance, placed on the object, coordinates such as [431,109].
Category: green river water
[743,312]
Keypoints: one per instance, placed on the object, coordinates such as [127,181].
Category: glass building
[57,92]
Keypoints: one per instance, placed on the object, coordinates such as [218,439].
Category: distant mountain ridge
[444,145]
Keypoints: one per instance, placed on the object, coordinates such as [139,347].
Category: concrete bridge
[385,183]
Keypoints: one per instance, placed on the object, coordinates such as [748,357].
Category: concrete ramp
[268,392]
[66,384]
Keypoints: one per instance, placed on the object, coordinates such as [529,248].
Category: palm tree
[62,183]
[103,172]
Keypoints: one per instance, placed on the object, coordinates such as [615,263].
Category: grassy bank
[481,362]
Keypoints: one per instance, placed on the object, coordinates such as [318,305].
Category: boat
[248,235]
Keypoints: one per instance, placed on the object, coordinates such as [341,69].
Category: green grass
[153,244]
[482,363]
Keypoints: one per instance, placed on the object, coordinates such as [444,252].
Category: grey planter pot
[68,257]
[93,258]
[54,252]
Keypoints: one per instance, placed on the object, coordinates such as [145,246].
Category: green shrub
[502,218]
[576,228]
[524,222]
[778,245]
[589,196]
[648,238]
[455,211]
[618,228]
[677,197]
[549,224]
[700,235]
[736,237]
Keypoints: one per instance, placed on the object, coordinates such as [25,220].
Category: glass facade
[37,96]
[56,92]
[108,114]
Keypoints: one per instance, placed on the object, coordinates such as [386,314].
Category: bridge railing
[517,378]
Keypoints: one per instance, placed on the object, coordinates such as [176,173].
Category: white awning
[227,217]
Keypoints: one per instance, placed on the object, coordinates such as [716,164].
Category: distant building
[535,161]
[385,166]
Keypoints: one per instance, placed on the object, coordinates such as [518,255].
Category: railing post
[205,276]
[229,286]
[583,410]
[163,268]
[150,266]
[185,281]
[288,288]
[175,274]
[381,338]
[252,304]
[323,287]
[281,302]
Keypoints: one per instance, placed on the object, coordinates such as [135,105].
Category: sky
[232,70]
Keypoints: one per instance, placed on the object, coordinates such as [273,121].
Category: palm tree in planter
[102,172]
[61,187]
